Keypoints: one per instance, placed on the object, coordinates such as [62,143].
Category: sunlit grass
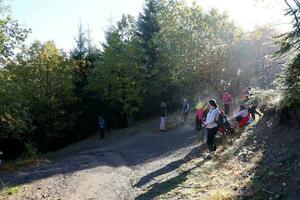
[18,164]
[9,191]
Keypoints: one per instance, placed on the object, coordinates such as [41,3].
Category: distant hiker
[101,126]
[227,100]
[199,114]
[252,111]
[163,116]
[185,110]
[211,124]
[242,116]
[246,94]
[1,153]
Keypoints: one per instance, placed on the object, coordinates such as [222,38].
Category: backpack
[220,119]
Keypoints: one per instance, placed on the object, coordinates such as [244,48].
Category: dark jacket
[163,111]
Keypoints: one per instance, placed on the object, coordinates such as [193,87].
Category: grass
[220,178]
[14,166]
[9,191]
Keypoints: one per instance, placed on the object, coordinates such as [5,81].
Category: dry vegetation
[221,177]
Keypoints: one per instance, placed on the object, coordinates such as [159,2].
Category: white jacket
[211,118]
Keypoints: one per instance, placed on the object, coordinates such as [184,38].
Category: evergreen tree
[147,27]
[81,49]
[290,46]
[119,78]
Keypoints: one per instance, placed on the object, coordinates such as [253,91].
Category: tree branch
[294,13]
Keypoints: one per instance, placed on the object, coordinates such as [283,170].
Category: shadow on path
[194,153]
[127,150]
[168,185]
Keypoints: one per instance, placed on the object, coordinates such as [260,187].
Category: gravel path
[119,167]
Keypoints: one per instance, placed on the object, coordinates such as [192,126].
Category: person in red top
[227,100]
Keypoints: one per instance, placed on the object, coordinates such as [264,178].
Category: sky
[58,20]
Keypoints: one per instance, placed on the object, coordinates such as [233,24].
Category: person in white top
[211,124]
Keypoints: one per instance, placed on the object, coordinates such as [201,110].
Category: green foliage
[289,45]
[193,45]
[147,27]
[10,191]
[30,152]
[12,35]
[81,49]
[120,77]
[289,42]
[267,100]
[290,83]
[172,50]
[37,92]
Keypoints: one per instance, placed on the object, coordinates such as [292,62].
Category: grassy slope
[260,162]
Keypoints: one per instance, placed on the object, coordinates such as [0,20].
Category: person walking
[227,100]
[163,116]
[211,124]
[185,110]
[101,126]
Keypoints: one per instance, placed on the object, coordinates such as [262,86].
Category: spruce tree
[147,27]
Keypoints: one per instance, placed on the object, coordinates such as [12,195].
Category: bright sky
[58,19]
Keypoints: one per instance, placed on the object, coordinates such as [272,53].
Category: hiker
[199,114]
[163,116]
[252,111]
[1,153]
[185,110]
[227,100]
[101,126]
[242,116]
[211,124]
[246,94]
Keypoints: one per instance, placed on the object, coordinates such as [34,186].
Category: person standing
[199,114]
[185,110]
[163,116]
[1,153]
[227,100]
[101,126]
[211,124]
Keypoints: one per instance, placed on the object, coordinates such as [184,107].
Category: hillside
[260,162]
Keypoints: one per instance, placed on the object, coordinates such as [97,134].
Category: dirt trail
[118,167]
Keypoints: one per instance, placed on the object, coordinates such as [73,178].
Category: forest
[51,98]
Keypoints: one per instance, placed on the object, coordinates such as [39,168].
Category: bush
[267,100]
[30,152]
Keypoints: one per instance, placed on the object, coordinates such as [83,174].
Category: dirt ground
[258,162]
[117,167]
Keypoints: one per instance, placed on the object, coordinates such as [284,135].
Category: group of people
[163,114]
[211,118]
